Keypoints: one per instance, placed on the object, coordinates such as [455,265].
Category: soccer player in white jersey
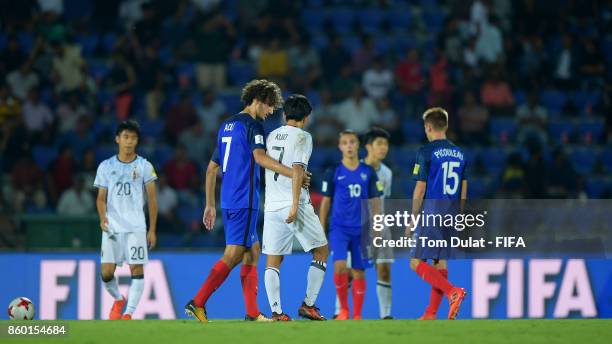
[122,182]
[377,145]
[289,213]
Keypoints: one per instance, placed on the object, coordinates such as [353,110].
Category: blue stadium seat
[98,71]
[342,20]
[561,131]
[163,153]
[607,49]
[371,19]
[502,129]
[434,21]
[108,42]
[413,131]
[520,97]
[43,156]
[606,159]
[403,158]
[232,102]
[88,43]
[152,128]
[583,160]
[240,72]
[477,188]
[493,160]
[105,152]
[553,101]
[190,216]
[26,41]
[186,70]
[351,43]
[585,101]
[382,44]
[313,20]
[319,40]
[595,187]
[3,41]
[400,20]
[591,130]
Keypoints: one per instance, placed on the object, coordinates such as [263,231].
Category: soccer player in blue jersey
[124,182]
[344,189]
[440,174]
[239,154]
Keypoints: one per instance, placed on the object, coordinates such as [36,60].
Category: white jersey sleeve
[101,180]
[149,172]
[302,149]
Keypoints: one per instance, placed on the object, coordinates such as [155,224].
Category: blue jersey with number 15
[237,138]
[441,164]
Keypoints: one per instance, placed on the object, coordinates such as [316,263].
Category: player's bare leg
[272,282]
[383,289]
[432,276]
[316,274]
[111,285]
[341,279]
[359,287]
[135,292]
[249,279]
[232,256]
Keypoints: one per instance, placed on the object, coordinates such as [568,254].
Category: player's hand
[306,180]
[104,225]
[292,215]
[410,229]
[210,215]
[151,239]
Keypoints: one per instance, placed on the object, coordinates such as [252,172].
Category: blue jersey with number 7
[237,138]
[441,164]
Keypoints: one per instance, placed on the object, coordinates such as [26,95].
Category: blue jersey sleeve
[215,156]
[375,187]
[328,186]
[421,167]
[255,135]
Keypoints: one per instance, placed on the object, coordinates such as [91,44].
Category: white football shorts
[124,247]
[278,235]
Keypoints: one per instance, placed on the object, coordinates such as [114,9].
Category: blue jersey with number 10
[442,166]
[237,138]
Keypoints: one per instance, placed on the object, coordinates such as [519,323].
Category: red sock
[359,288]
[248,277]
[436,295]
[342,281]
[215,278]
[430,275]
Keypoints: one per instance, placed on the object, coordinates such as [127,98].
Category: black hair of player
[263,90]
[297,107]
[375,133]
[349,132]
[129,125]
[437,119]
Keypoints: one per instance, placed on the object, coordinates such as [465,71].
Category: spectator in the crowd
[180,170]
[13,140]
[181,116]
[532,119]
[364,56]
[176,27]
[388,119]
[167,201]
[358,112]
[273,60]
[470,57]
[513,177]
[333,58]
[561,176]
[81,139]
[10,107]
[496,94]
[211,111]
[439,84]
[22,80]
[213,39]
[473,120]
[69,112]
[27,183]
[68,67]
[62,173]
[453,41]
[565,64]
[37,115]
[147,28]
[12,57]
[122,79]
[536,174]
[76,200]
[479,14]
[489,44]
[533,60]
[88,169]
[150,76]
[592,65]
[324,125]
[377,80]
[343,85]
[198,142]
[409,76]
[304,65]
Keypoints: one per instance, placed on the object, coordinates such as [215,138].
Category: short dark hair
[297,107]
[437,117]
[348,132]
[129,125]
[375,133]
[263,90]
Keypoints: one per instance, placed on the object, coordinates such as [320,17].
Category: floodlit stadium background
[526,84]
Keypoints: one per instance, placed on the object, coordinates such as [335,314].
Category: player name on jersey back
[288,145]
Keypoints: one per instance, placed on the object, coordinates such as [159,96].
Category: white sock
[134,294]
[383,290]
[272,281]
[113,288]
[316,274]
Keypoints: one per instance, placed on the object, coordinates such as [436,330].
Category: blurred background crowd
[526,83]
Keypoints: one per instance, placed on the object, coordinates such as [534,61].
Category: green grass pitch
[588,331]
